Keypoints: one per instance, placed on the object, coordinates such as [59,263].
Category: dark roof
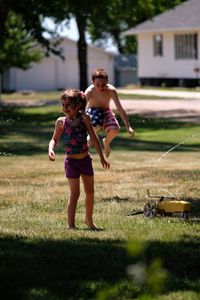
[126,60]
[182,17]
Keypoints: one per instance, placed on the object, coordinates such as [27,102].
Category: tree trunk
[82,53]
[1,86]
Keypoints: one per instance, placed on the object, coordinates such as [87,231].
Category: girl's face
[70,109]
[100,84]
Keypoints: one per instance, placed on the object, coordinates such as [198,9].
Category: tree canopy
[102,19]
[21,33]
[116,16]
[19,48]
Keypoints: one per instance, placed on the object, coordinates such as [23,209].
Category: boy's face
[100,84]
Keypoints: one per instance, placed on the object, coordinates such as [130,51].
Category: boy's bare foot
[106,147]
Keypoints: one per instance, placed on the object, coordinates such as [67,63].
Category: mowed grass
[41,259]
[51,96]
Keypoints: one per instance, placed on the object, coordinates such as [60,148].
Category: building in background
[169,47]
[125,69]
[52,73]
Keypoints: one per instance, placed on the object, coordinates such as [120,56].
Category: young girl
[74,128]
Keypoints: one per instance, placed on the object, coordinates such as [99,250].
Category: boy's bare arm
[122,112]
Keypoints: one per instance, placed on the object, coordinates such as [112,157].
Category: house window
[158,45]
[186,46]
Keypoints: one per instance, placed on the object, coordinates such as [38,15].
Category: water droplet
[6,154]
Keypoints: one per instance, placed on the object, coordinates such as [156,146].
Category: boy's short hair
[99,73]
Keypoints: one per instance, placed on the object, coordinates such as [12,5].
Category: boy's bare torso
[96,99]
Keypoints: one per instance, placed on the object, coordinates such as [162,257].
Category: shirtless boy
[98,97]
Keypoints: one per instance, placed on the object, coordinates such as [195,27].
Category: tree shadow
[64,268]
[195,208]
[140,123]
[77,269]
[117,199]
[179,261]
[121,143]
[155,123]
[28,132]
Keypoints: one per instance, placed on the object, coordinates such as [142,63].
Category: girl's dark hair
[75,97]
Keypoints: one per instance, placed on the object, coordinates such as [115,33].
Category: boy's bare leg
[111,134]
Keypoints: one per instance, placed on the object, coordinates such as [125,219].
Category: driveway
[185,108]
[163,93]
[182,110]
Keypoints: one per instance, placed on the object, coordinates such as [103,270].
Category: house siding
[99,60]
[183,19]
[53,73]
[165,66]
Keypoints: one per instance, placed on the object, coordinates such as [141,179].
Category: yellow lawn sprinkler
[165,206]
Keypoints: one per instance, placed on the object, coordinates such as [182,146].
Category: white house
[53,73]
[169,46]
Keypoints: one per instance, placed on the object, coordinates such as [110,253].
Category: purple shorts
[75,167]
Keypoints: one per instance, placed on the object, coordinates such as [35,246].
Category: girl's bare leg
[111,134]
[74,184]
[88,183]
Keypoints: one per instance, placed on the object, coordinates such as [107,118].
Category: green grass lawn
[51,96]
[133,257]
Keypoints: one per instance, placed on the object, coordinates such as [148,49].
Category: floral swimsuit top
[75,136]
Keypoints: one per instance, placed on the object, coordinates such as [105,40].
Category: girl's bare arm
[95,141]
[55,138]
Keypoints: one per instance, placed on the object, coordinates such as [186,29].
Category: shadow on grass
[66,269]
[28,131]
[117,199]
[36,114]
[154,123]
[77,269]
[40,141]
[195,208]
[121,143]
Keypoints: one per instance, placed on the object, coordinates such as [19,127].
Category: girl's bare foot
[106,147]
[72,227]
[93,226]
